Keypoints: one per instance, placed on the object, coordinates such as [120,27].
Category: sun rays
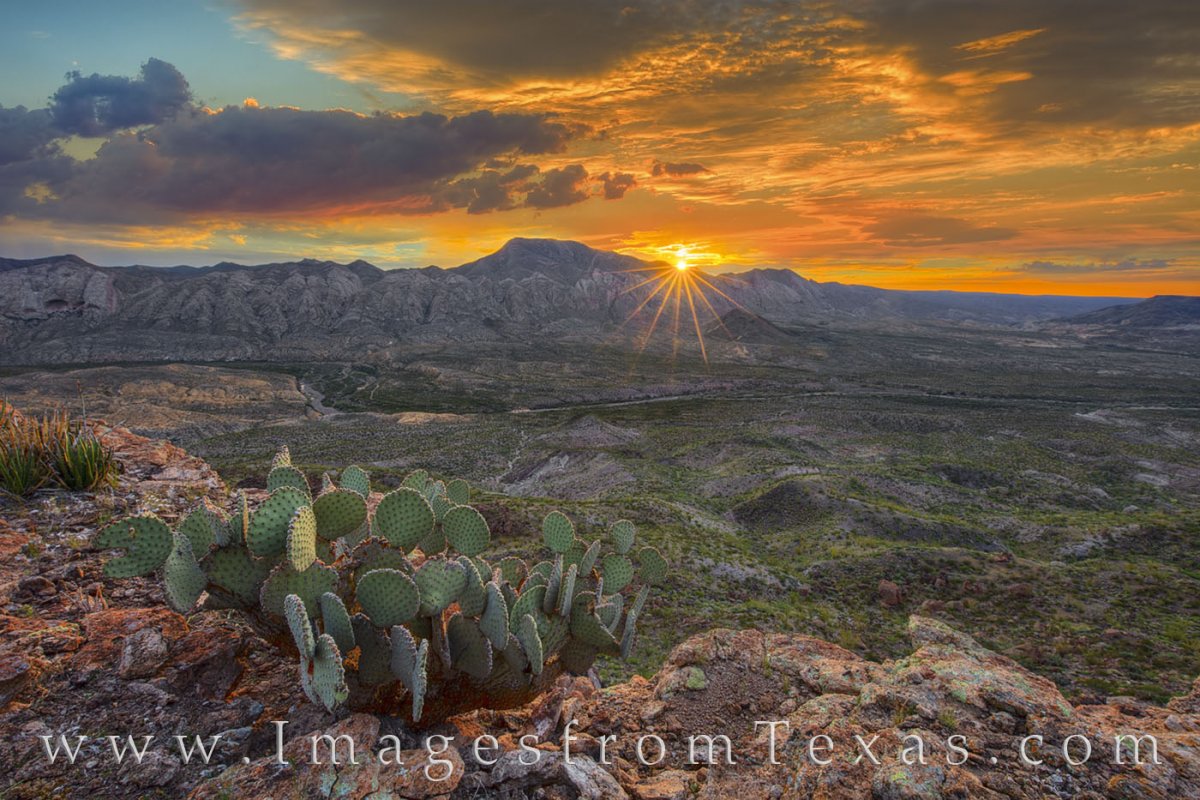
[677,289]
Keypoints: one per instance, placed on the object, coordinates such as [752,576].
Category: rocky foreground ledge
[82,657]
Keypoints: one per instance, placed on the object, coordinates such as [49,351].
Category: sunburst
[680,286]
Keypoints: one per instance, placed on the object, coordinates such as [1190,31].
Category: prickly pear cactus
[398,611]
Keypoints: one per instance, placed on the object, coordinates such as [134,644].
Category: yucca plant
[79,460]
[35,451]
[23,466]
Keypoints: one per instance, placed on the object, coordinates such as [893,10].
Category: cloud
[1125,265]
[1115,63]
[680,169]
[510,40]
[923,230]
[559,187]
[1003,41]
[616,184]
[491,190]
[183,161]
[24,133]
[96,105]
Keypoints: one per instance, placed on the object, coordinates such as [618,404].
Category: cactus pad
[588,562]
[356,479]
[410,664]
[617,571]
[439,503]
[416,480]
[588,628]
[268,531]
[147,542]
[233,569]
[327,679]
[466,530]
[434,543]
[339,512]
[470,650]
[622,534]
[302,539]
[239,523]
[577,657]
[514,655]
[283,457]
[309,585]
[458,492]
[473,595]
[440,583]
[336,621]
[204,527]
[557,532]
[652,567]
[375,554]
[300,626]
[388,597]
[554,631]
[610,612]
[513,570]
[404,518]
[566,592]
[280,477]
[526,632]
[374,652]
[494,619]
[404,654]
[183,579]
[529,602]
[553,585]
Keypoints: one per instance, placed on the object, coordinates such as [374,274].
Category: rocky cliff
[65,310]
[83,656]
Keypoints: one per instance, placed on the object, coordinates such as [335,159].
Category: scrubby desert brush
[397,611]
[52,449]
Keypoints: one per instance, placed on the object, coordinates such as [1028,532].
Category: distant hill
[63,309]
[742,326]
[1161,311]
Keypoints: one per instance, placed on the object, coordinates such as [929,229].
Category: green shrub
[52,448]
[23,467]
[78,459]
[397,611]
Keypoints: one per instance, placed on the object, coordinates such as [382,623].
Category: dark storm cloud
[96,105]
[616,184]
[677,169]
[559,187]
[1126,265]
[1101,61]
[279,159]
[24,133]
[189,161]
[923,230]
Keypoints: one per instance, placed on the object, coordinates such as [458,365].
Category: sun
[682,291]
[683,256]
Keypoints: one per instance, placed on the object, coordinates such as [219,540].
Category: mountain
[63,309]
[1160,311]
[742,326]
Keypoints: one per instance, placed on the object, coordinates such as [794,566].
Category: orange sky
[1017,146]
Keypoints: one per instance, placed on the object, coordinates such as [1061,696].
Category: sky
[1033,146]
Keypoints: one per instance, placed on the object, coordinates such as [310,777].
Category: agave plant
[397,611]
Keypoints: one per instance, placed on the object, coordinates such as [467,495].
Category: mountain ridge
[65,309]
